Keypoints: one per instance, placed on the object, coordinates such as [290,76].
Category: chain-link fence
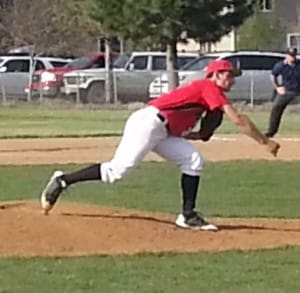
[99,87]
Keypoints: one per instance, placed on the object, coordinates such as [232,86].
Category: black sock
[189,185]
[90,173]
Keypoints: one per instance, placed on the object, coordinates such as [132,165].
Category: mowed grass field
[39,120]
[238,189]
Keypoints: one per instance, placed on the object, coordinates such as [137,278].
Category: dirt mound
[75,229]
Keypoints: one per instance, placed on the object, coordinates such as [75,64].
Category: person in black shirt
[287,89]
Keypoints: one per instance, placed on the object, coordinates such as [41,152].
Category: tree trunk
[172,70]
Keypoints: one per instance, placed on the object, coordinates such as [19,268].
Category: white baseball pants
[145,132]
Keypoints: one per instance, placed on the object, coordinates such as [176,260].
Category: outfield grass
[290,124]
[272,271]
[38,121]
[44,122]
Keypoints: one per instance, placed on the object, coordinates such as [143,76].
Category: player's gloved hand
[272,147]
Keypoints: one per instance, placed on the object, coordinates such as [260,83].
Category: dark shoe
[52,191]
[269,135]
[194,222]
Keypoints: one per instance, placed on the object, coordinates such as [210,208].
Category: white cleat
[195,222]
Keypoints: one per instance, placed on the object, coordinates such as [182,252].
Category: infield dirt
[76,229]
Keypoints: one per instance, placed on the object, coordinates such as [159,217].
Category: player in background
[288,89]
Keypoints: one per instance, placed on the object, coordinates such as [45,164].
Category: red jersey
[184,106]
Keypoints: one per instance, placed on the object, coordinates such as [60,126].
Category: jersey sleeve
[277,69]
[214,97]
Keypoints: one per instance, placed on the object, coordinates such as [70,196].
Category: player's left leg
[182,153]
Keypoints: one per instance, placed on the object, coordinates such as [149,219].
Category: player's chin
[226,89]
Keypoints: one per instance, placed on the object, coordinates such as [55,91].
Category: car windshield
[182,61]
[59,63]
[120,61]
[86,61]
[198,64]
[81,62]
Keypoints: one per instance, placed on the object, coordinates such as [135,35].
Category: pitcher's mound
[76,229]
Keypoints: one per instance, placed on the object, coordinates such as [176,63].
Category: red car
[48,82]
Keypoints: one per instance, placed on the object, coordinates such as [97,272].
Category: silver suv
[254,85]
[14,72]
[130,83]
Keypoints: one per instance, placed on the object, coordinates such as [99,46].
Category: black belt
[164,120]
[161,117]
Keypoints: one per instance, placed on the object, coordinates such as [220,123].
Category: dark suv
[48,82]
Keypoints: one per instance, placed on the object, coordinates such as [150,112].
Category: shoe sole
[210,227]
[46,206]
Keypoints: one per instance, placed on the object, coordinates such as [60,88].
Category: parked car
[130,83]
[254,84]
[48,82]
[14,71]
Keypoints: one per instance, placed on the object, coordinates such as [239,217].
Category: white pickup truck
[130,83]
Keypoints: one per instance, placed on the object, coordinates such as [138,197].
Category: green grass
[290,124]
[239,189]
[273,271]
[41,121]
[44,122]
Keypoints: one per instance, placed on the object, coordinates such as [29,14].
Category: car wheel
[57,94]
[96,93]
[82,96]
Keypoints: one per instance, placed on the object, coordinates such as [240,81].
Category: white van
[254,84]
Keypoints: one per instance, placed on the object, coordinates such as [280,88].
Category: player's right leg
[279,105]
[142,132]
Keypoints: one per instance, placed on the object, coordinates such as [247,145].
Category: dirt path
[74,229]
[74,150]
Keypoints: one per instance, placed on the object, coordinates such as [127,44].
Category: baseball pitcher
[165,127]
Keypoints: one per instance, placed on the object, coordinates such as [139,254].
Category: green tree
[170,21]
[261,31]
[72,27]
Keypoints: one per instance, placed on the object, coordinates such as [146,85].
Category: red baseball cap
[221,65]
